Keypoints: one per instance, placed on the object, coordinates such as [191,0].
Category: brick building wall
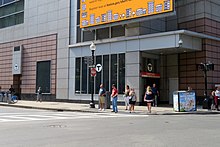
[189,75]
[34,50]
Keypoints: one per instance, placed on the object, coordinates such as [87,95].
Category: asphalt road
[39,128]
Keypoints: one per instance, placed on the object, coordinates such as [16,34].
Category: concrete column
[132,71]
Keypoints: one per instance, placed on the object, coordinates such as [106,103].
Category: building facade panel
[43,32]
[34,50]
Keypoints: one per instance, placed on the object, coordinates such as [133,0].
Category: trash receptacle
[107,100]
[206,103]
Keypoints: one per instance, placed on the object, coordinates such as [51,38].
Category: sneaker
[112,111]
[100,109]
[103,109]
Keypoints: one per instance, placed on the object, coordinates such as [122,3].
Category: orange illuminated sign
[98,12]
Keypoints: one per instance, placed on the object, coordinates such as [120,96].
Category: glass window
[78,18]
[19,18]
[102,33]
[106,72]
[7,1]
[12,14]
[77,75]
[113,72]
[98,79]
[43,79]
[84,77]
[78,4]
[118,31]
[121,78]
[88,35]
[90,82]
[114,67]
[78,34]
[10,20]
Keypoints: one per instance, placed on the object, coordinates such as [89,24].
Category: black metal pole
[205,75]
[206,102]
[92,105]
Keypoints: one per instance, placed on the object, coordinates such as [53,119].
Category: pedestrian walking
[155,95]
[114,96]
[212,98]
[39,95]
[148,97]
[217,96]
[102,94]
[132,100]
[126,96]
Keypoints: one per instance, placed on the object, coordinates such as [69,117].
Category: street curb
[95,110]
[191,113]
[43,108]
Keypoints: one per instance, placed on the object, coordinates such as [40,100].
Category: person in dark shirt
[11,90]
[155,94]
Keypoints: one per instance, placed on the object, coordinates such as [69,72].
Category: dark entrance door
[17,85]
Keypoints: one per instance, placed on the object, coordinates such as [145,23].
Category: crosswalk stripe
[16,117]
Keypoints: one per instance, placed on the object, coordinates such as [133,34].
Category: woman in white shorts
[126,96]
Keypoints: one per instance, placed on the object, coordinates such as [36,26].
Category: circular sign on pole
[98,67]
[93,72]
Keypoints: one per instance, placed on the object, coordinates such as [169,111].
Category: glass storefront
[113,72]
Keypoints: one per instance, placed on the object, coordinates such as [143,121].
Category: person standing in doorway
[148,97]
[102,93]
[126,96]
[155,94]
[39,94]
[114,97]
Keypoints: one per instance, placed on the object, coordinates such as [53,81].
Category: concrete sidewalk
[78,107]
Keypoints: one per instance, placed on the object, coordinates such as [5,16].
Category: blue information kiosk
[184,101]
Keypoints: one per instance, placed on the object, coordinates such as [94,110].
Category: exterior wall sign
[98,12]
[149,67]
[150,75]
[93,72]
[98,67]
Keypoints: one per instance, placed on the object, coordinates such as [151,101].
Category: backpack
[133,97]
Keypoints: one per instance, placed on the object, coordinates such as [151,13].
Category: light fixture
[93,46]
